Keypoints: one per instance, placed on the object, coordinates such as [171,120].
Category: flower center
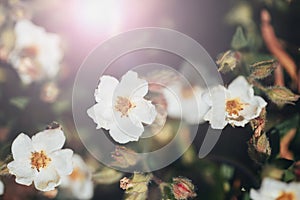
[286,196]
[123,105]
[39,160]
[77,174]
[234,106]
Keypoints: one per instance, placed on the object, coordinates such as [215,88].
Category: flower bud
[281,95]
[263,69]
[259,148]
[183,188]
[228,61]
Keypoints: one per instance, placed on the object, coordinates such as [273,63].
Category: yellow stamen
[39,160]
[123,105]
[234,106]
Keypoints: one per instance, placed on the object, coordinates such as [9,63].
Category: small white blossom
[236,105]
[185,102]
[40,159]
[80,181]
[1,187]
[37,54]
[121,107]
[276,190]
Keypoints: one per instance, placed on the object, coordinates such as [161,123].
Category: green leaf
[282,163]
[239,40]
[288,176]
[19,102]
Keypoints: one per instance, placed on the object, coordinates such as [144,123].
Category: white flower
[37,54]
[121,107]
[185,102]
[236,105]
[1,187]
[40,159]
[276,190]
[80,181]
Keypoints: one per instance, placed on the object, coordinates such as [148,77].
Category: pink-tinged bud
[263,69]
[183,188]
[228,61]
[281,95]
[125,183]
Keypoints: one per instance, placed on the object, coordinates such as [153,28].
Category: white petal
[195,108]
[62,161]
[119,136]
[144,111]
[84,191]
[254,107]
[217,114]
[173,99]
[21,147]
[47,179]
[23,171]
[48,140]
[1,188]
[129,126]
[101,114]
[131,86]
[240,87]
[106,89]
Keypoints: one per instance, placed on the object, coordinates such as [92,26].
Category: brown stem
[276,48]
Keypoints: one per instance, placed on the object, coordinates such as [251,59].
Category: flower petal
[106,89]
[173,100]
[254,107]
[216,115]
[62,161]
[131,86]
[21,147]
[47,179]
[194,108]
[1,188]
[23,171]
[144,111]
[48,140]
[101,114]
[120,136]
[240,87]
[85,190]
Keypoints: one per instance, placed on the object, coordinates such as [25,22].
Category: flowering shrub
[146,115]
